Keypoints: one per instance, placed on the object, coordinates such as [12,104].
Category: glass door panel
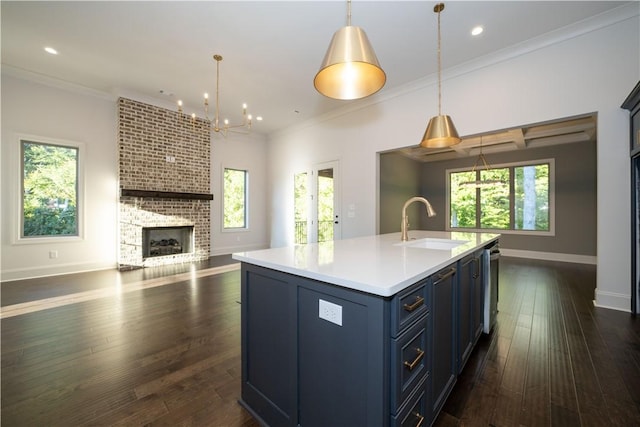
[301,207]
[325,205]
[325,209]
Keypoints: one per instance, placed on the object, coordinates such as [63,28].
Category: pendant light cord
[348,13]
[217,89]
[439,66]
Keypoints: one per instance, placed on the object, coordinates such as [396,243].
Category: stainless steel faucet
[404,226]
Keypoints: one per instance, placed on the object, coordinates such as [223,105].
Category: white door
[325,203]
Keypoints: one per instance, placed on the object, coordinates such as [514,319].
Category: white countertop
[381,264]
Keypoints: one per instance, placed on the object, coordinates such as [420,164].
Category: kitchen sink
[432,243]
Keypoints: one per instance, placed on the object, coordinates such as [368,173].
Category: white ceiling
[271,50]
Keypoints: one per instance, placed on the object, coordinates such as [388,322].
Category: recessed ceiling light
[259,118]
[477,31]
[50,50]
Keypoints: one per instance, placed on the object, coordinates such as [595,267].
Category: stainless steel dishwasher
[491,269]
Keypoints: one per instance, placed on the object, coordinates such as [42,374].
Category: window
[325,201]
[514,197]
[300,207]
[235,198]
[49,187]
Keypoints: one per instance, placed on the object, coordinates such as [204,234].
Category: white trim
[312,232]
[57,270]
[552,198]
[577,29]
[22,74]
[550,256]
[15,179]
[612,301]
[247,218]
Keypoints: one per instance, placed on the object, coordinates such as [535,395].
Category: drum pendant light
[350,69]
[440,131]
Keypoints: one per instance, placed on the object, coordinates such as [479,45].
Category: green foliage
[49,190]
[325,201]
[488,206]
[532,197]
[463,200]
[300,206]
[235,184]
[494,199]
[325,208]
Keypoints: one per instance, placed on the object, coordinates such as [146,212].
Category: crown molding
[30,76]
[612,17]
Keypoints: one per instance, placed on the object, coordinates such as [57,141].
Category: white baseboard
[57,270]
[613,301]
[550,256]
[603,299]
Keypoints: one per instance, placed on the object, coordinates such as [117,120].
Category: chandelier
[478,183]
[223,128]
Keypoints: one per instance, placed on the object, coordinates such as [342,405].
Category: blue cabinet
[316,354]
[443,344]
[470,305]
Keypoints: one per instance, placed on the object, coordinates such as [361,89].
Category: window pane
[463,200]
[532,197]
[325,205]
[494,198]
[235,197]
[300,206]
[49,190]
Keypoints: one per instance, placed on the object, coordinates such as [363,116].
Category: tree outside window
[300,206]
[494,199]
[505,198]
[325,205]
[49,190]
[235,198]
[531,197]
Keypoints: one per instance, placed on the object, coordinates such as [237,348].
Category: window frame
[18,238]
[246,200]
[510,165]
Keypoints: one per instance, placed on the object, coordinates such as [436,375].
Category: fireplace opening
[162,241]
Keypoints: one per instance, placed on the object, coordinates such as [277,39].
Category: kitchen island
[370,331]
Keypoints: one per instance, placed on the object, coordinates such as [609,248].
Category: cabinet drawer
[415,411]
[408,306]
[409,364]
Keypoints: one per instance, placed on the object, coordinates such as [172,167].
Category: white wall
[586,68]
[53,110]
[39,110]
[247,153]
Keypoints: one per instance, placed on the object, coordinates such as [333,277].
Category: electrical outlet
[330,312]
[53,254]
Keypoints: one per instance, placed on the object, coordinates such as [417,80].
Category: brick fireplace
[164,180]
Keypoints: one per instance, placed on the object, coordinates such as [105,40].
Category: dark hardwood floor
[170,354]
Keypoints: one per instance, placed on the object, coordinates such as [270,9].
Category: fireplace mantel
[165,194]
